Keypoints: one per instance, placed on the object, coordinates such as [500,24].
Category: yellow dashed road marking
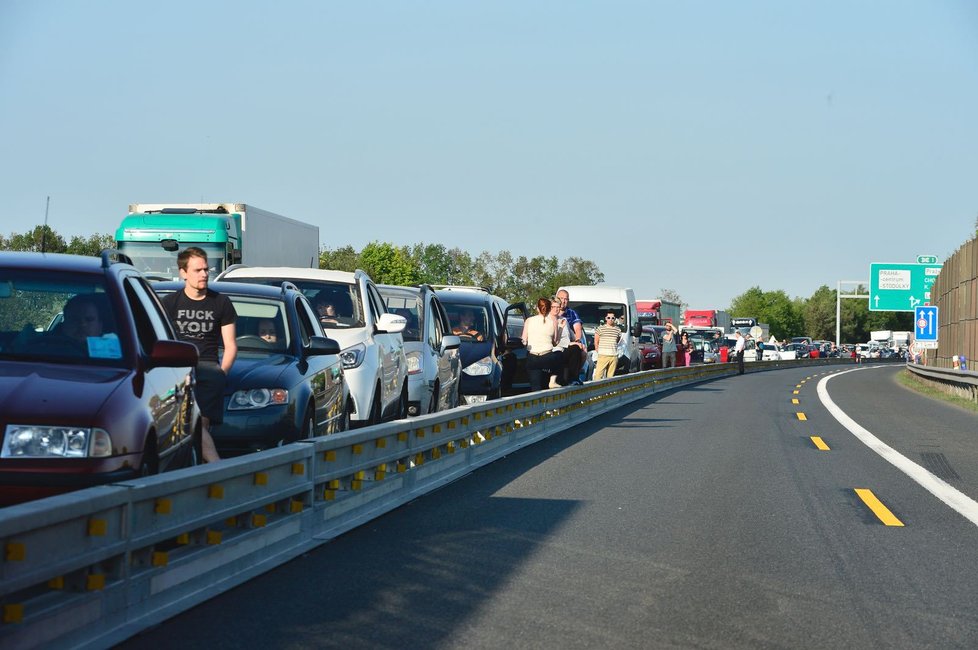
[820,443]
[794,400]
[882,512]
[801,416]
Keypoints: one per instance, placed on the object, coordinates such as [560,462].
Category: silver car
[432,351]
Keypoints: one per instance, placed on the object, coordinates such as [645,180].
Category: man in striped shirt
[606,338]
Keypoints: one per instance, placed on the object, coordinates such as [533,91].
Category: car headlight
[31,441]
[480,368]
[353,356]
[414,362]
[258,398]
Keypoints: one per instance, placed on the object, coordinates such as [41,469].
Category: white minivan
[592,303]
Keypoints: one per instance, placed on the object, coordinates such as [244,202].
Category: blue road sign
[925,323]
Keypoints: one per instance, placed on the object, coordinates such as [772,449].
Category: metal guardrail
[960,382]
[94,567]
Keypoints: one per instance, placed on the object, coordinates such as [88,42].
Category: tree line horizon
[523,279]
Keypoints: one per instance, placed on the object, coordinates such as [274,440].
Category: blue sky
[705,147]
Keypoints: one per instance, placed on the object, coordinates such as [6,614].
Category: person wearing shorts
[207,319]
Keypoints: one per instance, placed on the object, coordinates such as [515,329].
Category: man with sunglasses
[606,337]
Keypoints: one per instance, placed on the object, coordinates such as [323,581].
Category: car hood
[346,336]
[472,351]
[55,394]
[258,371]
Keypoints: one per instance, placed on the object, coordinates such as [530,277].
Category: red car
[650,346]
[95,387]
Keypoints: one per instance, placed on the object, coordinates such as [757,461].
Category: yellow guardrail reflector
[329,495]
[379,475]
[15,552]
[357,449]
[295,506]
[334,484]
[258,521]
[57,583]
[356,484]
[95,582]
[330,455]
[183,539]
[97,527]
[213,537]
[298,469]
[215,492]
[402,436]
[13,613]
[820,443]
[381,443]
[163,506]
[261,478]
[160,558]
[882,512]
[270,508]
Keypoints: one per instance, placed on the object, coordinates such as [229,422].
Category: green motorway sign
[900,287]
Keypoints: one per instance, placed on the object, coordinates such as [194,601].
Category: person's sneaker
[553,382]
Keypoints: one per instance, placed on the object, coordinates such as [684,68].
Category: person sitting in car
[466,326]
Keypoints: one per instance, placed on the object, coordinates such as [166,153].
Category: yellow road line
[882,512]
[801,416]
[820,443]
[795,392]
[794,400]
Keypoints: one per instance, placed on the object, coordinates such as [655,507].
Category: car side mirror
[320,345]
[450,342]
[173,354]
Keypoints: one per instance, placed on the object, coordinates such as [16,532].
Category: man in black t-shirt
[206,319]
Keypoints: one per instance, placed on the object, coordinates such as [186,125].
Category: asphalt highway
[717,516]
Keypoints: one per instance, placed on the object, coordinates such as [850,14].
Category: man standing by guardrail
[739,351]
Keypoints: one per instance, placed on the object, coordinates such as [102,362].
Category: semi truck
[658,312]
[713,318]
[152,235]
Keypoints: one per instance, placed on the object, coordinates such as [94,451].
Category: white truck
[592,303]
[152,235]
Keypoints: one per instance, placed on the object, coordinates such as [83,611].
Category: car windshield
[159,264]
[593,313]
[469,322]
[262,325]
[406,305]
[338,304]
[46,316]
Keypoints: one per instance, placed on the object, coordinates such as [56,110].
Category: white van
[592,303]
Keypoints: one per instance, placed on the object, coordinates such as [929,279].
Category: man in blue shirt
[577,350]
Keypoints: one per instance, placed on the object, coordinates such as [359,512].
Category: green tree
[773,307]
[819,314]
[388,264]
[41,238]
[92,245]
[345,258]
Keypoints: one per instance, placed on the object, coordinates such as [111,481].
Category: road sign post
[925,329]
[901,287]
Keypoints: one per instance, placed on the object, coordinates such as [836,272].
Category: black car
[490,356]
[287,381]
[95,387]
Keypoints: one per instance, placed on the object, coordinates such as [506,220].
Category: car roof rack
[109,253]
[288,286]
[460,286]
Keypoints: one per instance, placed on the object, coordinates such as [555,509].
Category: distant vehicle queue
[313,352]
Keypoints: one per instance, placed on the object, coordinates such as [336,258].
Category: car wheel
[151,460]
[375,412]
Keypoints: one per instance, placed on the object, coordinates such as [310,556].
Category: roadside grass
[911,381]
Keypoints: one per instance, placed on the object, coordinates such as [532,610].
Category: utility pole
[44,230]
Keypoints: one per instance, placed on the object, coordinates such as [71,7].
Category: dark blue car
[287,381]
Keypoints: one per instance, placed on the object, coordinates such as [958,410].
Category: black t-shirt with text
[200,321]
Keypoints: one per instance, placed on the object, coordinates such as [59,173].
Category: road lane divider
[820,444]
[953,498]
[795,400]
[801,416]
[882,512]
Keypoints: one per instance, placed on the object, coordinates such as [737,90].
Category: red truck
[658,312]
[707,318]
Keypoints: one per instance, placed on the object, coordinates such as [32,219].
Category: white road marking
[954,499]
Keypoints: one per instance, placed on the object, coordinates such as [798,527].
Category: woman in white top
[539,337]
